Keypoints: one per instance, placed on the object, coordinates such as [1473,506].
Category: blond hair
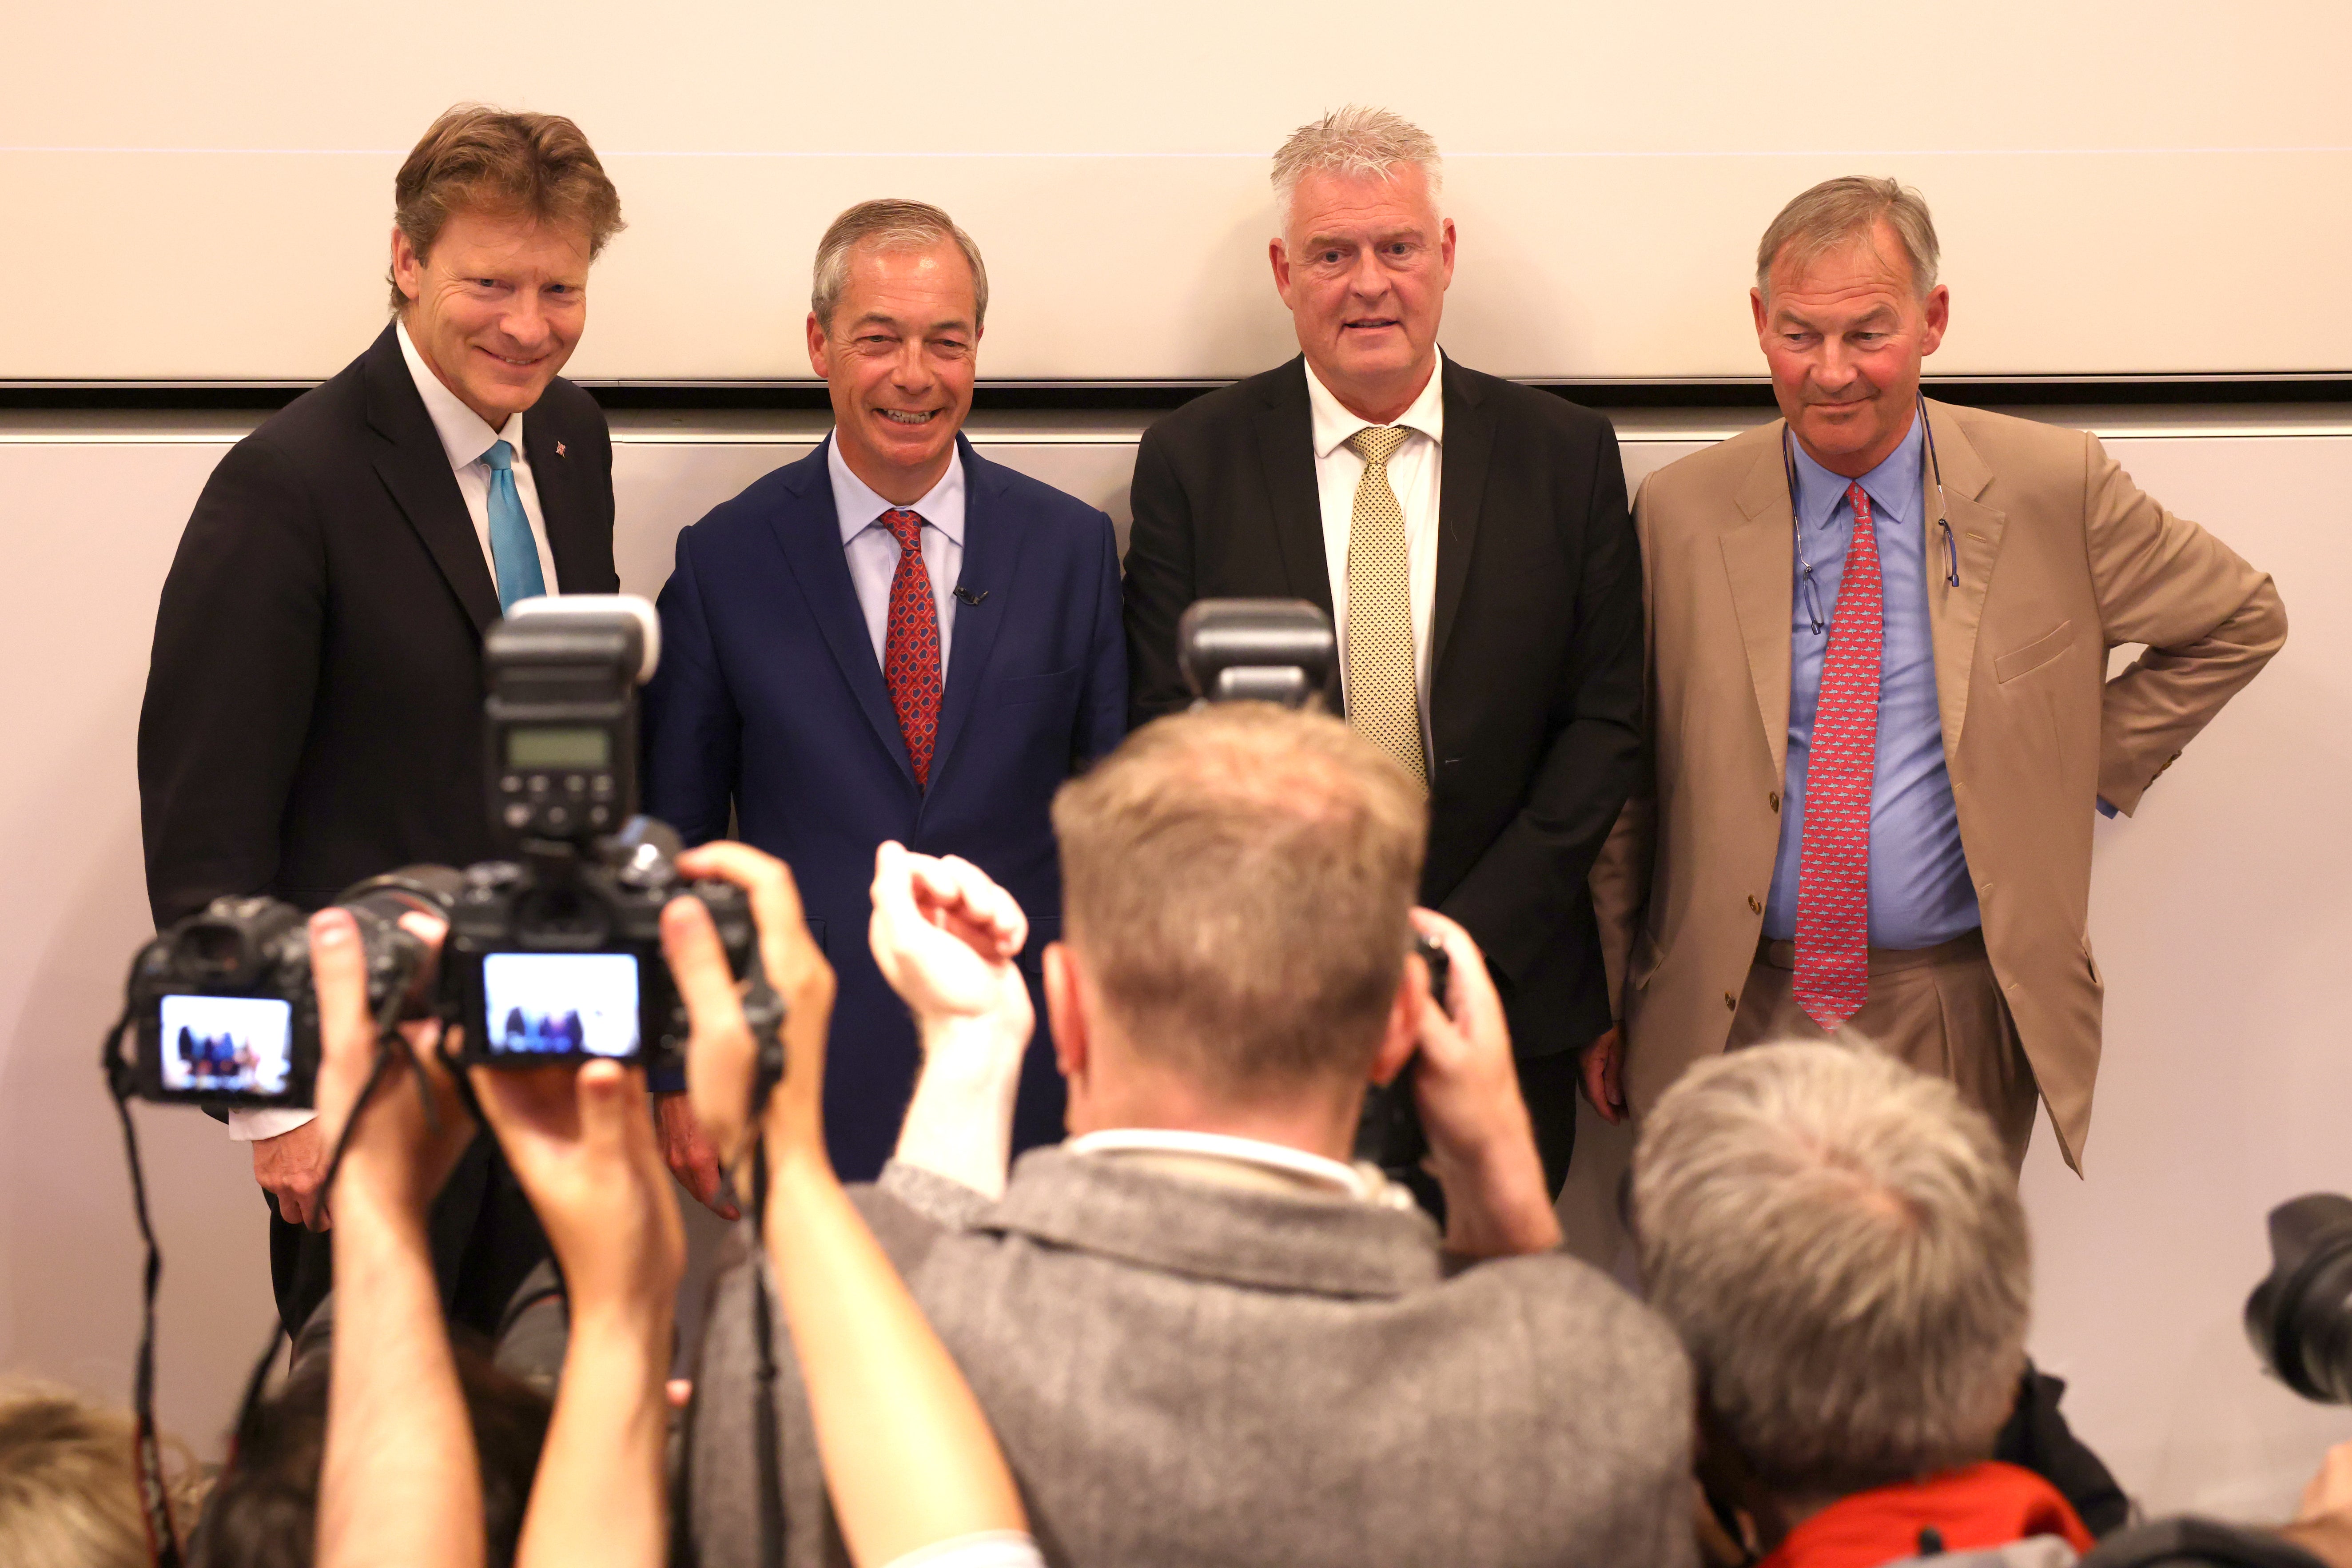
[69,1493]
[1839,1243]
[889,224]
[1837,213]
[1236,881]
[477,158]
[1355,141]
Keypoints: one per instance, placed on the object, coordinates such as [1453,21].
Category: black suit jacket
[314,702]
[1536,645]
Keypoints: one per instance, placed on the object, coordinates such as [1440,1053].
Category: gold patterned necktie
[1383,696]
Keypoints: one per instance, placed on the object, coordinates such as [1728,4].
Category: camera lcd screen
[559,1003]
[574,748]
[227,1044]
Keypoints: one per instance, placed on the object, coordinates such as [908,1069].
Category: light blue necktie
[512,545]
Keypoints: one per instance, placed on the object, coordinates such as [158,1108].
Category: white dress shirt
[464,438]
[1415,471]
[873,549]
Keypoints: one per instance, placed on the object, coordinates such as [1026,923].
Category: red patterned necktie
[910,645]
[1833,872]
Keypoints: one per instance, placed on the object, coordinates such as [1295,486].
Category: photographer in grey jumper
[1202,1336]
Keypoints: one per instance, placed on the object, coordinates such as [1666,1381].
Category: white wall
[2113,182]
[2219,914]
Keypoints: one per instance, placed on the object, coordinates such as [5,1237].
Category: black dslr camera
[2300,1318]
[556,954]
[221,1005]
[1283,651]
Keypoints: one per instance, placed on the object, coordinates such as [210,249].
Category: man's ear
[819,358]
[1065,1012]
[1402,1037]
[1279,257]
[407,267]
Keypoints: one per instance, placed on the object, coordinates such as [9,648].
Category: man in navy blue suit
[892,639]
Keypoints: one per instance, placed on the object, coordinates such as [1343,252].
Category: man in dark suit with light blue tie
[892,639]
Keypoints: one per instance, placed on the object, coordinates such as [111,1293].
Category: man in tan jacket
[1873,751]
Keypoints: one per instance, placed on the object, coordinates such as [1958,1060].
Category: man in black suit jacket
[314,703]
[1493,642]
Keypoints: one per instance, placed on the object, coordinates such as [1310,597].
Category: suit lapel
[1285,451]
[991,562]
[570,535]
[1757,557]
[1957,613]
[416,471]
[1462,486]
[811,536]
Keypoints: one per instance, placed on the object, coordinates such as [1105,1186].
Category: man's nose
[911,368]
[525,323]
[1368,280]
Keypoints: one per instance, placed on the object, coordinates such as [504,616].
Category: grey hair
[1836,212]
[1840,1244]
[889,224]
[1356,140]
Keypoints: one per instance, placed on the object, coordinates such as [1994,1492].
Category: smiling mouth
[908,416]
[1371,326]
[516,364]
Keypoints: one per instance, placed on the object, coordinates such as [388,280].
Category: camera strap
[771,1459]
[155,1498]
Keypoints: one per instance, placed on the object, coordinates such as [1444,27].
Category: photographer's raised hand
[400,1483]
[944,936]
[1482,1146]
[909,1459]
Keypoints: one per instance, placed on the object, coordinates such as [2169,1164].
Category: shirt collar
[1894,487]
[464,434]
[1365,1184]
[857,504]
[1334,423]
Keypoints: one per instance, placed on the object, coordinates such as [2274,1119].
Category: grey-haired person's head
[1839,1243]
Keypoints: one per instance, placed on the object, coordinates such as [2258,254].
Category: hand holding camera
[1481,1140]
[725,1073]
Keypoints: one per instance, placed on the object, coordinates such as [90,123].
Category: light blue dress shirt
[1920,891]
[873,549]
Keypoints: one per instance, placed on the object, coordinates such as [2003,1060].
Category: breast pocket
[2042,650]
[1059,687]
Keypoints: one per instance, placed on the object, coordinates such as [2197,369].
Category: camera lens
[2300,1317]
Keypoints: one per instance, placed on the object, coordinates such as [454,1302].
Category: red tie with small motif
[910,645]
[1834,869]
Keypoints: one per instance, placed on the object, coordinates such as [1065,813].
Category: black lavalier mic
[968,597]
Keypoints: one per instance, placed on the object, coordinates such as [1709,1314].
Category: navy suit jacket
[769,700]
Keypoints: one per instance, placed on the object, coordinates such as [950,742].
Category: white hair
[1354,140]
[1839,1243]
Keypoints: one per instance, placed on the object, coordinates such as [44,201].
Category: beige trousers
[1937,1009]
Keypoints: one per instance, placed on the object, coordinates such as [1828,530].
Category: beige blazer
[2060,559]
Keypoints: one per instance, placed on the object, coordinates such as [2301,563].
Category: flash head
[1256,650]
[563,675]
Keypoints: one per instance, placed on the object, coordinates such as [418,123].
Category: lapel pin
[968,597]
[558,449]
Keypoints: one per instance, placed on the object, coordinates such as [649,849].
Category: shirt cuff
[253,1126]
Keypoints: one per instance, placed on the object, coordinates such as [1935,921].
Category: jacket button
[1730,1002]
[1773,800]
[1753,907]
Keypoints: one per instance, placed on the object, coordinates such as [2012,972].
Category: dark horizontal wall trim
[1153,397]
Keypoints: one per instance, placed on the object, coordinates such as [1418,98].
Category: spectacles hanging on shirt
[1805,582]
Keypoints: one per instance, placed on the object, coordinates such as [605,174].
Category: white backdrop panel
[2217,915]
[203,191]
